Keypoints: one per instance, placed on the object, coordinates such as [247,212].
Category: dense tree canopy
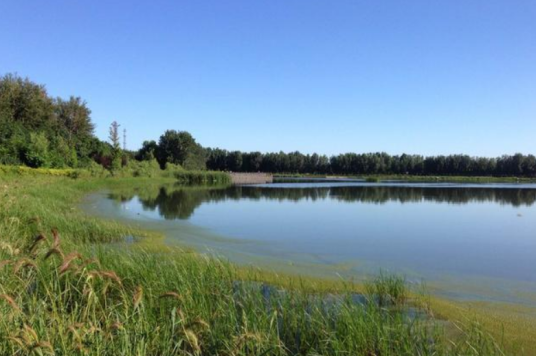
[40,131]
[372,163]
[179,147]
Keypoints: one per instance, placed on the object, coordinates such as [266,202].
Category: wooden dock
[251,178]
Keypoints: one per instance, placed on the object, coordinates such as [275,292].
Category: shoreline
[412,178]
[73,191]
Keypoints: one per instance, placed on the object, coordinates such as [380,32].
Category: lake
[467,241]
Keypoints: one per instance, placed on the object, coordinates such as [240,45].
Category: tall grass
[202,177]
[62,294]
[387,289]
[139,303]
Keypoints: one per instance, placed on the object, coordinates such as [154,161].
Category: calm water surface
[468,241]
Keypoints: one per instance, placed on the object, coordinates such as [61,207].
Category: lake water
[468,241]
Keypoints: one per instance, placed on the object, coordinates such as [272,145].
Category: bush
[203,177]
[36,154]
[148,169]
[28,171]
[170,170]
[96,170]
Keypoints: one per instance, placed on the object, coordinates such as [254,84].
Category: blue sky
[428,77]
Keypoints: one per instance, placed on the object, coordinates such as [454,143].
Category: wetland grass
[65,292]
[203,178]
[191,305]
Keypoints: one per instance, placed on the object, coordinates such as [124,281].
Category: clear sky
[429,77]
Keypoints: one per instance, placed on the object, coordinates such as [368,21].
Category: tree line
[39,130]
[372,164]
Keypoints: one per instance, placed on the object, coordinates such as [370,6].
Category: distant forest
[38,130]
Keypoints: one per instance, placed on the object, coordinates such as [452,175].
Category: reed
[202,177]
[80,312]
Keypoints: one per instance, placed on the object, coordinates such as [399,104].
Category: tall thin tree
[116,146]
[114,135]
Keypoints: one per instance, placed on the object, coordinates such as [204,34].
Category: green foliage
[145,168]
[387,290]
[63,155]
[179,147]
[26,103]
[39,131]
[379,163]
[96,170]
[116,153]
[195,159]
[140,169]
[13,141]
[104,300]
[171,169]
[36,154]
[148,151]
[74,117]
[202,177]
[235,161]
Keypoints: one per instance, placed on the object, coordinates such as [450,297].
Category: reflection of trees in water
[172,202]
[514,197]
[178,202]
[379,194]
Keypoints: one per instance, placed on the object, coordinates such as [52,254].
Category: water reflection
[180,202]
[477,239]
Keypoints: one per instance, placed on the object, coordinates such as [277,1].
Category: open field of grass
[65,290]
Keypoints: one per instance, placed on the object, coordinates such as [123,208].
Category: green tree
[234,161]
[217,159]
[25,108]
[63,155]
[74,116]
[179,147]
[116,147]
[26,103]
[147,152]
[37,154]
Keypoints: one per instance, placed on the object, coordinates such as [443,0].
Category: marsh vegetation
[64,292]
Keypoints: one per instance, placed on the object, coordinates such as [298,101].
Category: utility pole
[124,139]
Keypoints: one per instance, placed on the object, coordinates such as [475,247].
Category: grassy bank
[67,293]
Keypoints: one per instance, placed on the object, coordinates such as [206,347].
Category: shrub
[36,153]
[203,177]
